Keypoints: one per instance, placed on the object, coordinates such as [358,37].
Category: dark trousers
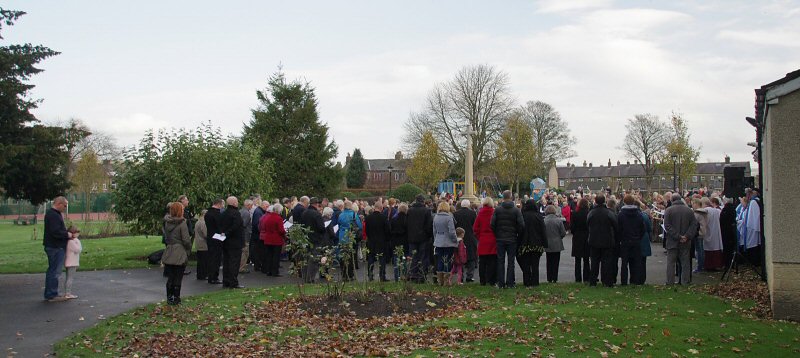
[631,255]
[381,260]
[420,259]
[272,260]
[174,279]
[487,269]
[529,262]
[470,269]
[603,263]
[55,263]
[257,251]
[642,271]
[582,269]
[505,273]
[202,265]
[231,258]
[553,259]
[214,259]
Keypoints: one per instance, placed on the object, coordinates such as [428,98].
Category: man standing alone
[55,244]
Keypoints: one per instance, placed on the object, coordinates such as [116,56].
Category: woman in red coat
[273,234]
[487,244]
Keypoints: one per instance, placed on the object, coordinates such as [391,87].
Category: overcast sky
[127,67]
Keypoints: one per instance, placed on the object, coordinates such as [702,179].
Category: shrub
[347,194]
[406,192]
[365,194]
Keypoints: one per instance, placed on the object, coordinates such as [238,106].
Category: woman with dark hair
[580,241]
[534,241]
[179,244]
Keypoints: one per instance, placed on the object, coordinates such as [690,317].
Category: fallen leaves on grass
[742,288]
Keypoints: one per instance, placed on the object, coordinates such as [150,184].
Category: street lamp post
[675,172]
[390,178]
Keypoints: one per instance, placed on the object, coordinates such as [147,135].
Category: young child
[459,258]
[72,259]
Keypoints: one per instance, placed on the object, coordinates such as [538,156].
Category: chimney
[590,165]
[398,155]
[629,162]
[618,163]
[609,162]
[347,159]
[636,161]
[584,163]
[727,159]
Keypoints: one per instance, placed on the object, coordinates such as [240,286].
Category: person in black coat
[631,229]
[312,219]
[533,241]
[420,238]
[465,219]
[398,227]
[257,249]
[232,226]
[580,241]
[297,211]
[377,230]
[602,224]
[213,218]
[727,224]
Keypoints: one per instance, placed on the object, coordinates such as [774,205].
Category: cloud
[772,37]
[128,129]
[556,6]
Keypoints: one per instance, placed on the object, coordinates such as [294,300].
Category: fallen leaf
[666,332]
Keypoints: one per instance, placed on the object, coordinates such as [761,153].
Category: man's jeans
[505,275]
[55,262]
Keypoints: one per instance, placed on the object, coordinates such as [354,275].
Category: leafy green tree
[679,145]
[516,157]
[428,165]
[31,155]
[89,174]
[202,164]
[287,131]
[356,170]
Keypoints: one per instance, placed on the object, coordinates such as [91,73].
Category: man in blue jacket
[631,229]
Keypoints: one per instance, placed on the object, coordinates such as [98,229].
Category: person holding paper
[213,258]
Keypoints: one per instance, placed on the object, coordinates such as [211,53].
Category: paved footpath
[30,326]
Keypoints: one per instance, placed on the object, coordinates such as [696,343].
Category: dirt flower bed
[377,324]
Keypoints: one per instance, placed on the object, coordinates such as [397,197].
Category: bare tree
[477,98]
[646,141]
[551,135]
[80,139]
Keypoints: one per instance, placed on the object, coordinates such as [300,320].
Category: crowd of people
[611,237]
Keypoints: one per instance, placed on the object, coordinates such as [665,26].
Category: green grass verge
[22,250]
[560,320]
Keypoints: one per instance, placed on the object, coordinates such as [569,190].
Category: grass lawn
[22,250]
[560,320]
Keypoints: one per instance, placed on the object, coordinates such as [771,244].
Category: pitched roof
[383,164]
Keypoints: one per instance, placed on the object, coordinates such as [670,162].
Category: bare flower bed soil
[371,324]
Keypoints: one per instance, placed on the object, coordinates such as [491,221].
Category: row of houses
[572,177]
[632,176]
